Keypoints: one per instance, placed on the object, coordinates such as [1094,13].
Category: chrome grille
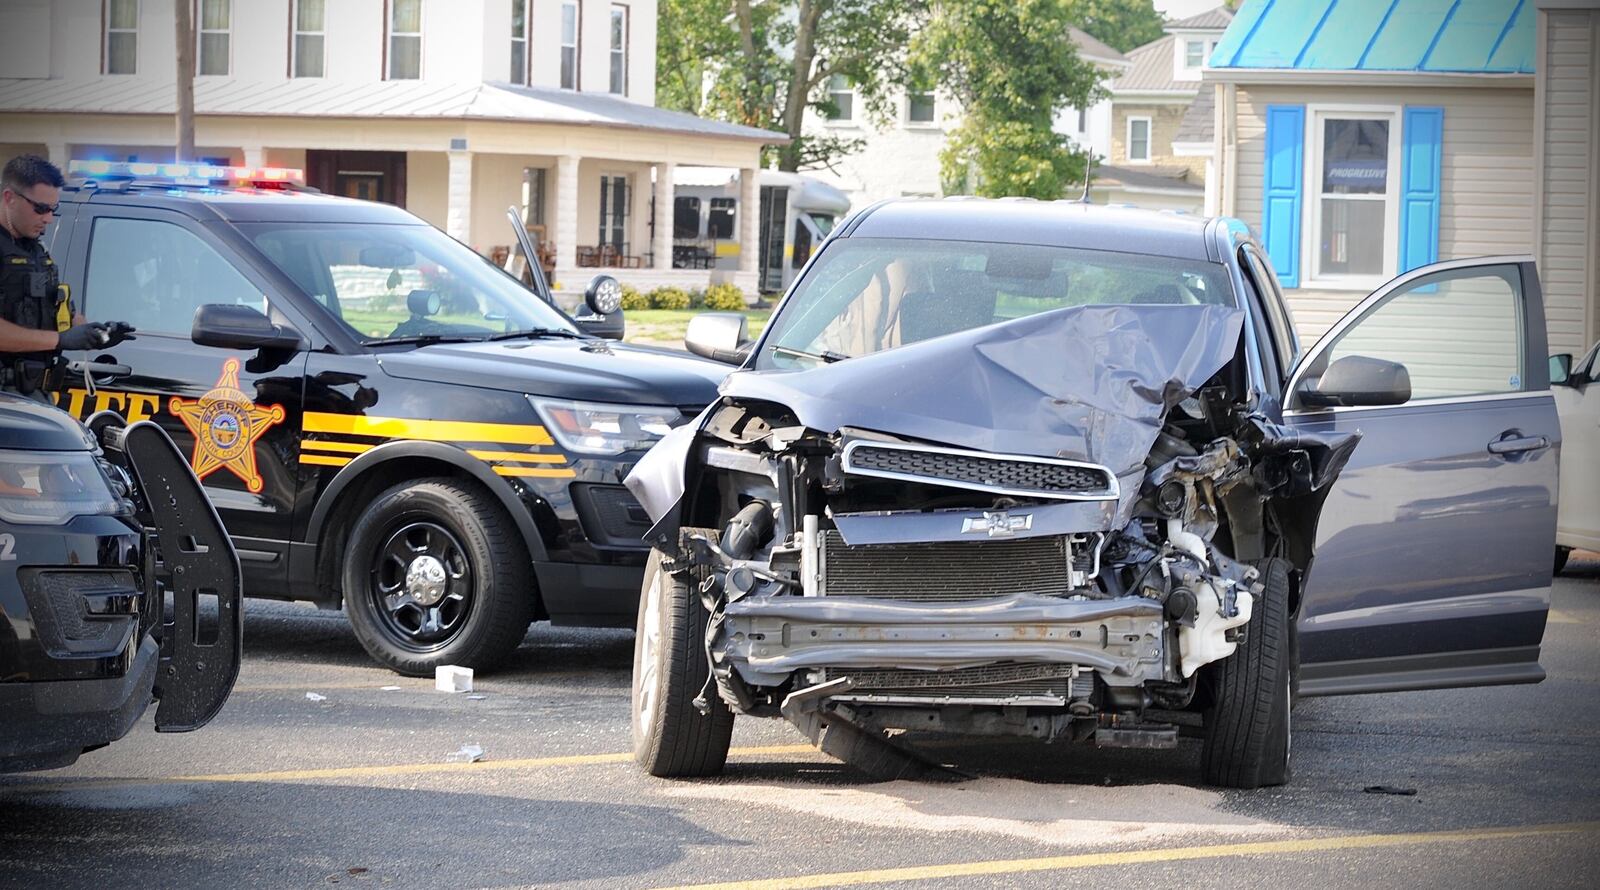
[1005,474]
[946,571]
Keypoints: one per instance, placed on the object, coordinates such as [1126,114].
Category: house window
[720,222]
[1194,53]
[216,20]
[614,201]
[919,108]
[569,46]
[1139,139]
[122,36]
[619,50]
[405,39]
[519,42]
[841,96]
[1354,194]
[309,43]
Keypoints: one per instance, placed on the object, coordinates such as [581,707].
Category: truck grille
[946,571]
[1004,474]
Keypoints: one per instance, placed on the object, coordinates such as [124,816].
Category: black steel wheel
[435,574]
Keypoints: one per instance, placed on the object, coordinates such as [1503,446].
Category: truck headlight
[48,488]
[596,428]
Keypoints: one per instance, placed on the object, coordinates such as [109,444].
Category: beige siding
[1164,121]
[1569,259]
[1486,176]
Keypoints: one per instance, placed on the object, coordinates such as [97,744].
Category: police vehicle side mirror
[603,299]
[240,327]
[719,336]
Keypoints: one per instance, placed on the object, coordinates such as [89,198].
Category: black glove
[118,331]
[89,335]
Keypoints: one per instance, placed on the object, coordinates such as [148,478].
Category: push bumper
[49,723]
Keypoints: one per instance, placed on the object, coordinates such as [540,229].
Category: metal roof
[1439,36]
[1090,48]
[309,97]
[1210,20]
[1152,71]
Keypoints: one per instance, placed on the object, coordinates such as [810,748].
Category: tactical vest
[31,296]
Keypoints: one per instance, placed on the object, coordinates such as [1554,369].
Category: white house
[1364,138]
[900,157]
[454,109]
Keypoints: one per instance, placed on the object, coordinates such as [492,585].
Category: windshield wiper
[425,340]
[536,333]
[826,356]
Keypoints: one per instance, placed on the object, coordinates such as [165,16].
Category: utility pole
[185,143]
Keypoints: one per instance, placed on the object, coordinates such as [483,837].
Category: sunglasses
[39,207]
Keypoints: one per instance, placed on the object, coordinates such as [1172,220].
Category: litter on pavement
[452,678]
[312,696]
[467,754]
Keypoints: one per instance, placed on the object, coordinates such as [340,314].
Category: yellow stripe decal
[526,457]
[429,430]
[535,471]
[325,460]
[347,447]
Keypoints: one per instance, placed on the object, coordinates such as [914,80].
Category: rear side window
[155,274]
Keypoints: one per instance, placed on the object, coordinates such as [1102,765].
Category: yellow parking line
[1558,616]
[1138,857]
[398,769]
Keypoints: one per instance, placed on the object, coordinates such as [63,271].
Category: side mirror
[240,327]
[1561,369]
[719,336]
[1357,380]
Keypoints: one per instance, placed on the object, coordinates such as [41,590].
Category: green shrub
[697,299]
[632,299]
[669,297]
[725,296]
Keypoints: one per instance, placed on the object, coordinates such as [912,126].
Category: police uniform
[31,296]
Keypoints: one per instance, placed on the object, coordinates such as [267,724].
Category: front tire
[671,738]
[1247,725]
[434,575]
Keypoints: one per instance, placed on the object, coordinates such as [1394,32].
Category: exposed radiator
[946,571]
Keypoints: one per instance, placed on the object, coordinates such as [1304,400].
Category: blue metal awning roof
[1437,36]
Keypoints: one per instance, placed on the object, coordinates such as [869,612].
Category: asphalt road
[283,791]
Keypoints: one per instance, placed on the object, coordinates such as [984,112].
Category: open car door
[1432,563]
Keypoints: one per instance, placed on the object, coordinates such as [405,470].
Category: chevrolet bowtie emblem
[997,525]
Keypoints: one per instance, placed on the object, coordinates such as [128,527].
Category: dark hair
[27,171]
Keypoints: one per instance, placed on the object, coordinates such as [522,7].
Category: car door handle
[1518,444]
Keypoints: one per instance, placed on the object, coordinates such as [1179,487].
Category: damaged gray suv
[1064,472]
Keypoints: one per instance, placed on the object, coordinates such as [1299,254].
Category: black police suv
[117,585]
[382,417]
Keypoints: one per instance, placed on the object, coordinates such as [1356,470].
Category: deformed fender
[433,451]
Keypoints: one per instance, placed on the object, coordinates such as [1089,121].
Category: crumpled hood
[1087,383]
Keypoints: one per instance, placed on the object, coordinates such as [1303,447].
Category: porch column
[255,156]
[661,239]
[566,212]
[458,210]
[58,153]
[749,210]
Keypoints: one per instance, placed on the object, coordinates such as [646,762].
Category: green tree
[763,64]
[1010,66]
[1119,24]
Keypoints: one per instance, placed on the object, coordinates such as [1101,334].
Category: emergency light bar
[198,174]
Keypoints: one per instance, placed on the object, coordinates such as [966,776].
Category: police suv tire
[671,737]
[500,598]
[1247,723]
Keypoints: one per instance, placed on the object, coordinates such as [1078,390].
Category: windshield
[403,282]
[865,295]
[823,221]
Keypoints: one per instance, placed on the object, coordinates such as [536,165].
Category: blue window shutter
[1280,200]
[1421,149]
